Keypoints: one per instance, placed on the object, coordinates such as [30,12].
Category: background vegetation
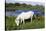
[18,6]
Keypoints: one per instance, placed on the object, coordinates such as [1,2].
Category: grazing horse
[24,15]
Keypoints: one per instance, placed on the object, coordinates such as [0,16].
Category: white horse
[24,15]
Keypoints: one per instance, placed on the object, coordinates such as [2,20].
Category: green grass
[36,24]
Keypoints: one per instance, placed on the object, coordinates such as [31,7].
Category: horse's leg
[23,21]
[20,24]
[31,19]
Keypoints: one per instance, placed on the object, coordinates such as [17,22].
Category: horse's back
[26,14]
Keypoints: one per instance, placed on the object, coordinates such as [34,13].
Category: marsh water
[17,12]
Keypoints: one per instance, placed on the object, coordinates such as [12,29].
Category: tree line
[24,6]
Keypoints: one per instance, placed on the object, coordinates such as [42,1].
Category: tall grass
[36,24]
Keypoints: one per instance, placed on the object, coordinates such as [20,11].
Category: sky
[27,2]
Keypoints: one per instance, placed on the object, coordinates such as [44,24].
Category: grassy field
[36,24]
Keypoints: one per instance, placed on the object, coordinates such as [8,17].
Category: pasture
[36,24]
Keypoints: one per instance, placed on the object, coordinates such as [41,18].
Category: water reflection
[17,12]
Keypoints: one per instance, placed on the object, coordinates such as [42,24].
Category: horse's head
[17,22]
